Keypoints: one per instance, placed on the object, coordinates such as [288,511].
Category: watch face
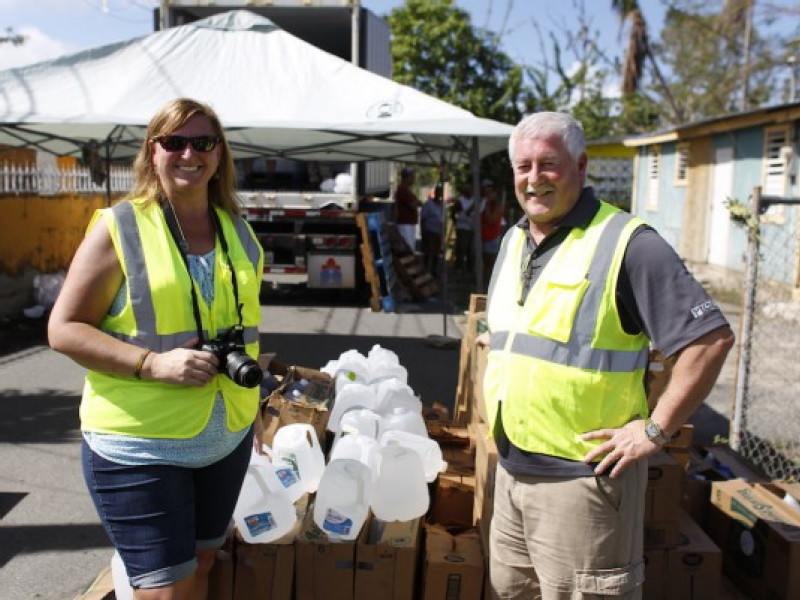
[653,433]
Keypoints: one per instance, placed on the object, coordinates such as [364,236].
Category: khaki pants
[568,539]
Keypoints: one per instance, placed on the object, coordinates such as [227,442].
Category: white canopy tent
[275,94]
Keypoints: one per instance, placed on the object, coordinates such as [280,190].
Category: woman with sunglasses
[167,435]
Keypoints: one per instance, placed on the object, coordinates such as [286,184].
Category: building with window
[684,179]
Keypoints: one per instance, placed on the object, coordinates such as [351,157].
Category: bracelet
[137,372]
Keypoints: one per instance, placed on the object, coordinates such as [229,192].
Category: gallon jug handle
[260,482]
[268,452]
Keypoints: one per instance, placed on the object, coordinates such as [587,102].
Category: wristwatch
[654,432]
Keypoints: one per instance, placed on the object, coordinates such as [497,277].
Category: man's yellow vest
[562,363]
[158,315]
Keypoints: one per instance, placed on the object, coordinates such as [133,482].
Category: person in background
[464,215]
[579,292]
[407,205]
[167,437]
[431,226]
[491,226]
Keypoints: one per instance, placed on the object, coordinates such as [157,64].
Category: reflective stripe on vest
[139,285]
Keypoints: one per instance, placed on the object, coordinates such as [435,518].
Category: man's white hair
[545,124]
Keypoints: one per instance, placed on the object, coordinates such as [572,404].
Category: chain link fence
[766,422]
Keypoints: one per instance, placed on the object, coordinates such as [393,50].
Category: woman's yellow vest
[158,315]
[561,363]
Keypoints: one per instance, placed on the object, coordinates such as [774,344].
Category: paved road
[51,543]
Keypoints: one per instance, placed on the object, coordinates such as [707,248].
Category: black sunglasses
[178,143]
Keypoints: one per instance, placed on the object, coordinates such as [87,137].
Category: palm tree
[637,50]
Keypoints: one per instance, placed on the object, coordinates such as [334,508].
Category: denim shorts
[159,516]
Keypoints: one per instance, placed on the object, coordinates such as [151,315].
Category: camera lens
[243,370]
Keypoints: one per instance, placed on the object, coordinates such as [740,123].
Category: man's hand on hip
[623,447]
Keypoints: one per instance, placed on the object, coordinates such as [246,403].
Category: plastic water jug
[359,420]
[119,575]
[284,470]
[404,420]
[384,364]
[392,393]
[352,367]
[363,448]
[355,395]
[263,511]
[400,492]
[298,444]
[342,501]
[429,451]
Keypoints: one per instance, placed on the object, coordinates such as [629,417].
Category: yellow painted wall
[43,232]
[609,151]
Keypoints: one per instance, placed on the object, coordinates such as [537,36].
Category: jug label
[337,523]
[259,523]
[287,477]
[291,458]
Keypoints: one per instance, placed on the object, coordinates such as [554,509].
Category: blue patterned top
[207,447]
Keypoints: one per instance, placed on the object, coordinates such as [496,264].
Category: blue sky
[57,27]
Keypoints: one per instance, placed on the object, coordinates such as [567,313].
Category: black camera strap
[183,248]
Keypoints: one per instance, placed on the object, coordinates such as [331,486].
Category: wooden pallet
[415,277]
[463,404]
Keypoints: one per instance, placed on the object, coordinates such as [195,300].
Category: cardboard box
[759,538]
[694,566]
[660,534]
[386,560]
[664,488]
[452,504]
[220,579]
[784,491]
[313,407]
[263,571]
[655,573]
[322,569]
[454,564]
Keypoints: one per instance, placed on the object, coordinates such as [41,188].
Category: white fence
[30,179]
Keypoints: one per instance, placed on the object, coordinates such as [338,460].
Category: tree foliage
[703,46]
[437,50]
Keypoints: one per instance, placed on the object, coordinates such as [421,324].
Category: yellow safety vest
[562,363]
[158,315]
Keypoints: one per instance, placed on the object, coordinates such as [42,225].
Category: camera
[233,360]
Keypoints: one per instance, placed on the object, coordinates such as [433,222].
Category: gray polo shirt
[655,294]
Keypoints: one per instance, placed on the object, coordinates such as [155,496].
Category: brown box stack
[386,560]
[759,538]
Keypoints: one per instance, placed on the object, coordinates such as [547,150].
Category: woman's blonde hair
[169,118]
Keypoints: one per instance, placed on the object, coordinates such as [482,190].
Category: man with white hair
[579,292]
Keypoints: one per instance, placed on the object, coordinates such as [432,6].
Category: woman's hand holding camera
[186,366]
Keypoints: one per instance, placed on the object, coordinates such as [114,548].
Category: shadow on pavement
[30,539]
[20,333]
[46,417]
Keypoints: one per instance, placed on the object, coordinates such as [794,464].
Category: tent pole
[108,171]
[477,245]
